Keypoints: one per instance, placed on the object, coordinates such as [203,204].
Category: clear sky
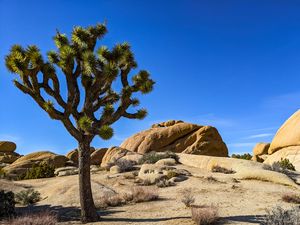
[231,64]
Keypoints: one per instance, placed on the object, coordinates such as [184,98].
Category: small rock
[115,169]
[166,162]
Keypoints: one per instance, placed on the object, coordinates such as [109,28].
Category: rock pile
[7,152]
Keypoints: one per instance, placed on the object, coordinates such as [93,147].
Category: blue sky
[231,64]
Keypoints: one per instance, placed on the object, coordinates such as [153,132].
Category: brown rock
[9,157]
[261,149]
[21,165]
[73,154]
[291,153]
[178,136]
[97,156]
[7,146]
[113,153]
[287,135]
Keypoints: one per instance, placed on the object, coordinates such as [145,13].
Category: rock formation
[21,165]
[180,137]
[260,151]
[7,152]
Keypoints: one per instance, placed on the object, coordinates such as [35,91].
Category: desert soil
[239,202]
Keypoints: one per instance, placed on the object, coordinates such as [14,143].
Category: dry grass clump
[188,197]
[164,183]
[136,195]
[211,179]
[204,215]
[281,216]
[291,198]
[45,218]
[219,169]
[143,194]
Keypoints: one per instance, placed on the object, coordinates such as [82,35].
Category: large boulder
[97,156]
[73,154]
[260,150]
[21,165]
[287,135]
[7,146]
[291,153]
[116,153]
[178,137]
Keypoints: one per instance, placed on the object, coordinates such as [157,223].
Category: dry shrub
[137,194]
[188,197]
[164,183]
[144,194]
[204,215]
[219,169]
[45,218]
[211,179]
[291,198]
[281,216]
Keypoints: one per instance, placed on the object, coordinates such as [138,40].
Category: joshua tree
[86,108]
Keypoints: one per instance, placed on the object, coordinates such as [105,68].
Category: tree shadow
[130,220]
[255,219]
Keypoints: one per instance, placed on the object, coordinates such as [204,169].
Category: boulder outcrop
[179,137]
[287,135]
[73,154]
[259,151]
[291,153]
[115,153]
[97,156]
[7,154]
[21,165]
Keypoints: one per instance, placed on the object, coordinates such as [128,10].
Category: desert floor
[240,202]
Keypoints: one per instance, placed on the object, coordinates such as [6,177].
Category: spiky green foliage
[95,69]
[106,132]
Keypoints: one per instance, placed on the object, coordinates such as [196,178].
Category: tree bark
[88,209]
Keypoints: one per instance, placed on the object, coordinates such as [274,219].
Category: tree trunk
[88,209]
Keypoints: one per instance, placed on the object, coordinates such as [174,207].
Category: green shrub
[28,197]
[245,156]
[42,170]
[153,157]
[170,174]
[7,204]
[286,164]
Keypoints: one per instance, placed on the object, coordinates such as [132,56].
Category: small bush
[45,218]
[281,216]
[170,174]
[7,204]
[204,215]
[188,197]
[153,157]
[245,156]
[28,197]
[211,179]
[124,165]
[291,198]
[286,164]
[219,169]
[143,194]
[137,194]
[282,166]
[42,170]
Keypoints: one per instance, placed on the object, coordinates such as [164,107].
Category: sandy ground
[242,202]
